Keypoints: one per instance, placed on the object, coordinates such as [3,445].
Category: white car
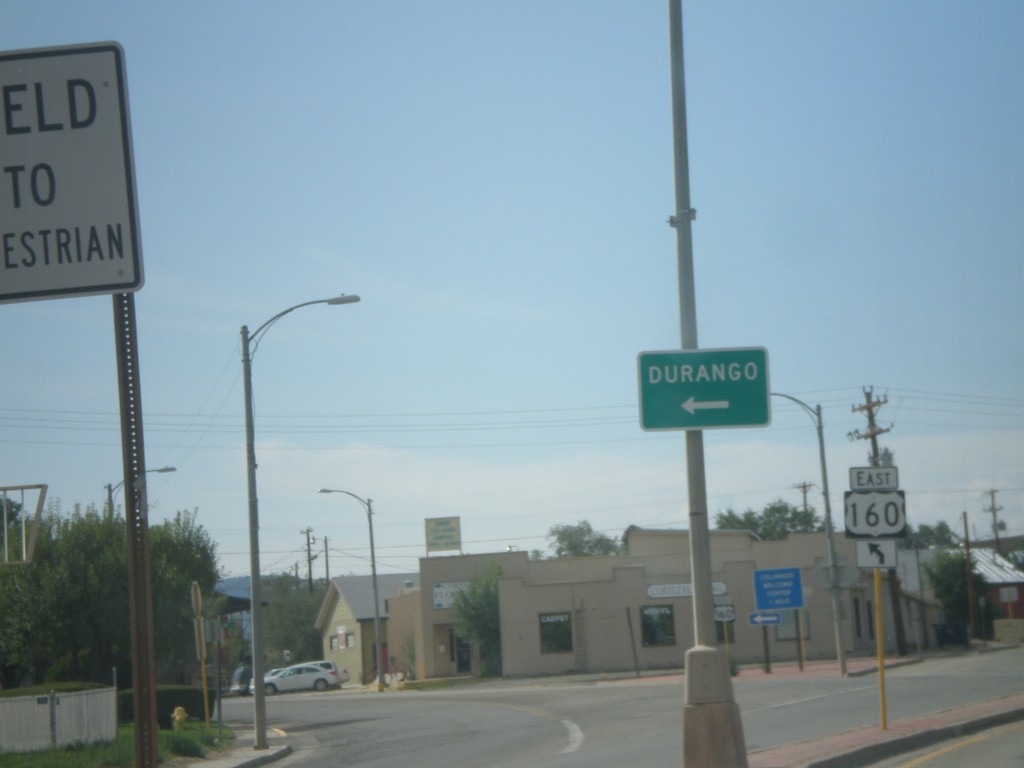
[330,666]
[301,677]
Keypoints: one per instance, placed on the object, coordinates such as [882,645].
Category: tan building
[635,611]
[346,622]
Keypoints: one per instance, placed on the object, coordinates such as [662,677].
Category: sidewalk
[864,746]
[242,755]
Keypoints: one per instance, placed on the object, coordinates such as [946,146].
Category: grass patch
[195,740]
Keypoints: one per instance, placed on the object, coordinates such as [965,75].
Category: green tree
[773,523]
[925,536]
[581,540]
[947,574]
[66,615]
[1017,558]
[289,619]
[181,552]
[478,619]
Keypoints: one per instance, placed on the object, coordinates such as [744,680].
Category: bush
[182,744]
[167,698]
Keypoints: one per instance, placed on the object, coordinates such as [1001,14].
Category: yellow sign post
[197,612]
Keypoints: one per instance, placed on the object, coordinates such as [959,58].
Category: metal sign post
[876,515]
[70,228]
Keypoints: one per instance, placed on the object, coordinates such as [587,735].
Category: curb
[864,756]
[270,756]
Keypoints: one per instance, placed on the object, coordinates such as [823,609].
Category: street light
[255,612]
[138,481]
[368,506]
[833,564]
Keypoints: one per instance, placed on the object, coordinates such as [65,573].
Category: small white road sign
[875,514]
[878,553]
[725,613]
[874,478]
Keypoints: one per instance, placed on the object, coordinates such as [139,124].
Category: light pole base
[712,729]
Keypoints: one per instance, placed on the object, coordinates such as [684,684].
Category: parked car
[272,673]
[301,677]
[241,680]
[330,666]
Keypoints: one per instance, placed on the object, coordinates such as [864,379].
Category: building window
[856,618]
[786,630]
[657,625]
[555,632]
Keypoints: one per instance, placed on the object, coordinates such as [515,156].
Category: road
[568,722]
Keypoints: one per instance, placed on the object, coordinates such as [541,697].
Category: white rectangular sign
[683,590]
[874,479]
[876,553]
[68,210]
[443,533]
[445,592]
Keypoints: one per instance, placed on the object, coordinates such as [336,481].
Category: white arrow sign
[765,617]
[692,406]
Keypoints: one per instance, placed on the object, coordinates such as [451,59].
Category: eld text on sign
[68,214]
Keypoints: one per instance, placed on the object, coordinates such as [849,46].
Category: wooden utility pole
[804,488]
[310,557]
[994,510]
[327,563]
[969,573]
[869,408]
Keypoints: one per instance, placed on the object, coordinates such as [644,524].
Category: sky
[494,181]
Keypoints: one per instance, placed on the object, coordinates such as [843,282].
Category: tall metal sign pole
[69,221]
[712,729]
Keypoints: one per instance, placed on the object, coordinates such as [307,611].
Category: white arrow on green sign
[704,388]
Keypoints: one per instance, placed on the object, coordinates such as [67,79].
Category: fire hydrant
[179,717]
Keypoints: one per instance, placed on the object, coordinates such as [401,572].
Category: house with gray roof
[346,622]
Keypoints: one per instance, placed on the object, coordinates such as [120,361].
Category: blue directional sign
[778,589]
[765,618]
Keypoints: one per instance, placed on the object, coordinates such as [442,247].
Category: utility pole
[870,406]
[993,509]
[804,488]
[712,726]
[310,557]
[327,563]
[969,568]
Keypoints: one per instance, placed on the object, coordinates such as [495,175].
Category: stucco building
[630,611]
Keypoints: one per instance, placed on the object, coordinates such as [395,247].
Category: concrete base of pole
[712,729]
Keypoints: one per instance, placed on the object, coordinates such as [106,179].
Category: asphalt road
[600,724]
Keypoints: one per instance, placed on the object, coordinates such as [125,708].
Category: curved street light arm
[255,598]
[112,489]
[367,503]
[342,299]
[833,560]
[377,638]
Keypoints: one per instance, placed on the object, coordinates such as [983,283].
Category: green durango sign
[704,388]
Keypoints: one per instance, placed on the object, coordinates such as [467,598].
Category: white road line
[575,737]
